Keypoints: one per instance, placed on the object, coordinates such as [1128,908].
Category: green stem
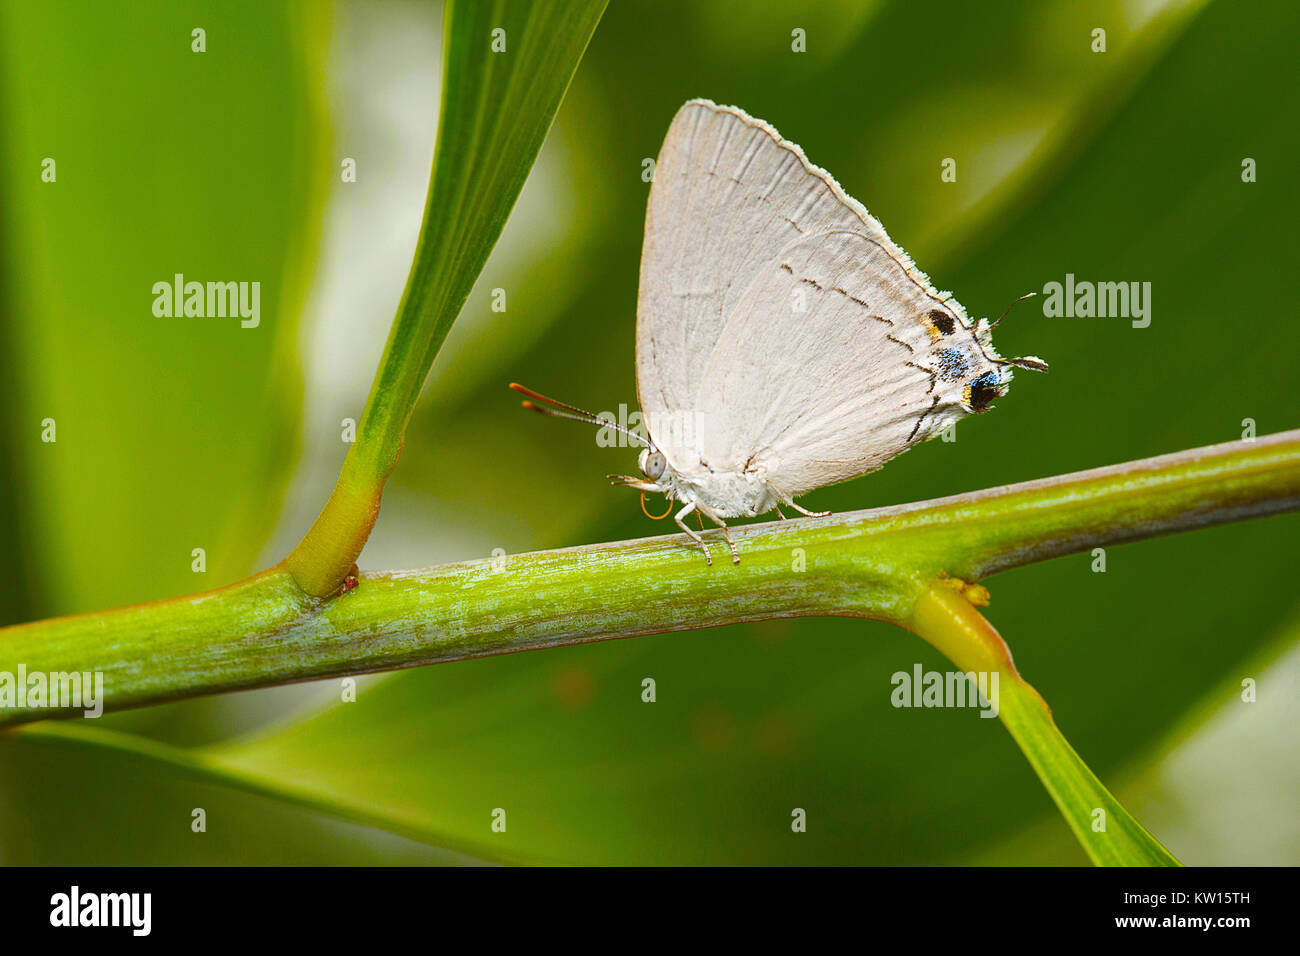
[264,631]
[1109,834]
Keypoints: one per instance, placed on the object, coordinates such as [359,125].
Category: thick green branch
[265,631]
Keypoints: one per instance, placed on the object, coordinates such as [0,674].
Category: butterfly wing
[851,378]
[719,213]
[777,315]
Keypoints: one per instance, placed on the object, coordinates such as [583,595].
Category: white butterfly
[784,342]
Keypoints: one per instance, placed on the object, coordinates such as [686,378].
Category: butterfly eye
[653,464]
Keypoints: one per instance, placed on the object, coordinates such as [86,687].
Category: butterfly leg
[779,513]
[787,500]
[726,533]
[695,535]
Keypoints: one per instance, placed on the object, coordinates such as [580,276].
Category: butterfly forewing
[848,393]
[776,313]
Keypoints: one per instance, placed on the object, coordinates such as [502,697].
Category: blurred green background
[175,434]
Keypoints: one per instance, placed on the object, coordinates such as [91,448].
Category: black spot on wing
[981,392]
[943,323]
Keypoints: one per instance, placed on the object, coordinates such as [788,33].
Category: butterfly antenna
[1027,295]
[524,390]
[1032,362]
[572,412]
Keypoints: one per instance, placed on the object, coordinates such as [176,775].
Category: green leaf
[506,67]
[1108,832]
[171,433]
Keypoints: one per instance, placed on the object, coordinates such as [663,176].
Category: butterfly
[783,341]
